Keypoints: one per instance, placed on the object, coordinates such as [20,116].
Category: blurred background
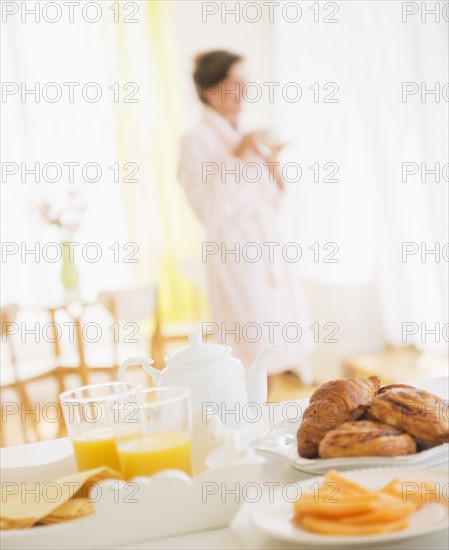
[105,173]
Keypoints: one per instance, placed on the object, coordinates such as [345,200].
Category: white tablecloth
[241,534]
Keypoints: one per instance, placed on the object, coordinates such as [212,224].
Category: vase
[70,276]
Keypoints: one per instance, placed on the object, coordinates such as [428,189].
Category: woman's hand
[248,144]
[273,160]
[253,143]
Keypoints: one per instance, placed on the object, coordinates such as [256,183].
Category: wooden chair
[165,334]
[102,358]
[17,372]
[121,311]
[138,306]
[143,303]
[131,309]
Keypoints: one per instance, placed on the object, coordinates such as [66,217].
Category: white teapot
[218,382]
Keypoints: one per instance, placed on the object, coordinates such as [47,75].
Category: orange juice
[152,453]
[94,448]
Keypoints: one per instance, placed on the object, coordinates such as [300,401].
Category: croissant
[366,438]
[332,404]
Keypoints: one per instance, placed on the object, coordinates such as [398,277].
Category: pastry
[332,404]
[416,412]
[387,387]
[366,438]
[423,445]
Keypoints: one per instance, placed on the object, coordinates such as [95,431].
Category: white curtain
[369,133]
[109,133]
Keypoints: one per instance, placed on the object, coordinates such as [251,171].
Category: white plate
[279,441]
[34,463]
[273,516]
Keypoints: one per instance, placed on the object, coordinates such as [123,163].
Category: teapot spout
[256,378]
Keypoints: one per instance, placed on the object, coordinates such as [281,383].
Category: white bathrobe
[259,300]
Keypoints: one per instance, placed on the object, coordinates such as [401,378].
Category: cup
[89,425]
[153,431]
[269,137]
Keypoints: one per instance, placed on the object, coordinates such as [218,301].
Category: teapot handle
[146,363]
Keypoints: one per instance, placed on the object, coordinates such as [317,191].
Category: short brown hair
[211,68]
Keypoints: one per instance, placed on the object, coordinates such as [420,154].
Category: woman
[235,188]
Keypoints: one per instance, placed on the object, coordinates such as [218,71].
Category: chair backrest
[130,305]
[8,314]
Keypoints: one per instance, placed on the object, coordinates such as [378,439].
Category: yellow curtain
[179,299]
[175,233]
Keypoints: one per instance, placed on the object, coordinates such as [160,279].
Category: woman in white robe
[235,188]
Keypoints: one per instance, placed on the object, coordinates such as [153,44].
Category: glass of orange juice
[89,424]
[152,430]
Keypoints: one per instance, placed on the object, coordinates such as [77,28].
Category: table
[241,534]
[394,365]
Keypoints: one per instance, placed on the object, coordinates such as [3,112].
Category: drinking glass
[89,425]
[152,428]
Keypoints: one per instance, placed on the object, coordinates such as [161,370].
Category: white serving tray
[168,504]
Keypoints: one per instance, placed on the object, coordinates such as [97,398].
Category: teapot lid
[197,350]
